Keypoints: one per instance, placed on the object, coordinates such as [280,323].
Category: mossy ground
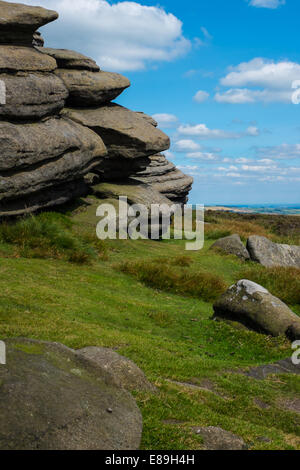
[170,336]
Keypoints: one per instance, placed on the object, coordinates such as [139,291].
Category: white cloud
[280,152]
[121,36]
[201,131]
[201,96]
[273,4]
[204,156]
[186,145]
[264,81]
[166,121]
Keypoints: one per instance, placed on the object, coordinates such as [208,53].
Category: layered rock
[253,306]
[126,134]
[92,88]
[164,177]
[18,22]
[51,153]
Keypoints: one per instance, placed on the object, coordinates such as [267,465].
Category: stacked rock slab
[44,156]
[59,132]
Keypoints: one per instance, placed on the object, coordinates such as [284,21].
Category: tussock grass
[165,277]
[281,282]
[47,235]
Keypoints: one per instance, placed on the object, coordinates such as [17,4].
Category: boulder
[27,145]
[25,59]
[51,399]
[18,22]
[218,439]
[32,95]
[271,254]
[125,372]
[92,88]
[253,306]
[125,133]
[232,245]
[67,59]
[81,151]
[148,118]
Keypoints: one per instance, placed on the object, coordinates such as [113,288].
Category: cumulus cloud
[201,96]
[201,131]
[259,80]
[121,36]
[279,152]
[166,121]
[186,145]
[272,4]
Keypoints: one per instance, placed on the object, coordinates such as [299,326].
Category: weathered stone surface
[148,118]
[270,254]
[38,39]
[125,133]
[67,59]
[232,245]
[25,145]
[285,366]
[136,193]
[32,95]
[18,58]
[125,372]
[43,200]
[164,177]
[81,150]
[51,399]
[92,88]
[19,22]
[218,439]
[253,306]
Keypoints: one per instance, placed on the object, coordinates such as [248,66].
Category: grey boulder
[232,245]
[253,306]
[125,133]
[32,95]
[216,438]
[18,22]
[271,254]
[92,88]
[51,399]
[125,372]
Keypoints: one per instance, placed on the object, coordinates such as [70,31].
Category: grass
[281,282]
[169,334]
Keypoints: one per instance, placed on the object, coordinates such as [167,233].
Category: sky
[222,78]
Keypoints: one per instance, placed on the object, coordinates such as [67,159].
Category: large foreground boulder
[271,254]
[67,59]
[53,399]
[32,95]
[232,245]
[126,134]
[253,306]
[19,22]
[92,88]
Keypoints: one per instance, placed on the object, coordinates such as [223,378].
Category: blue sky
[218,77]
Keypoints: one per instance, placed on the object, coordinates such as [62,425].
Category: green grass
[171,336]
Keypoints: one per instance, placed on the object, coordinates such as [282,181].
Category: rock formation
[253,306]
[60,135]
